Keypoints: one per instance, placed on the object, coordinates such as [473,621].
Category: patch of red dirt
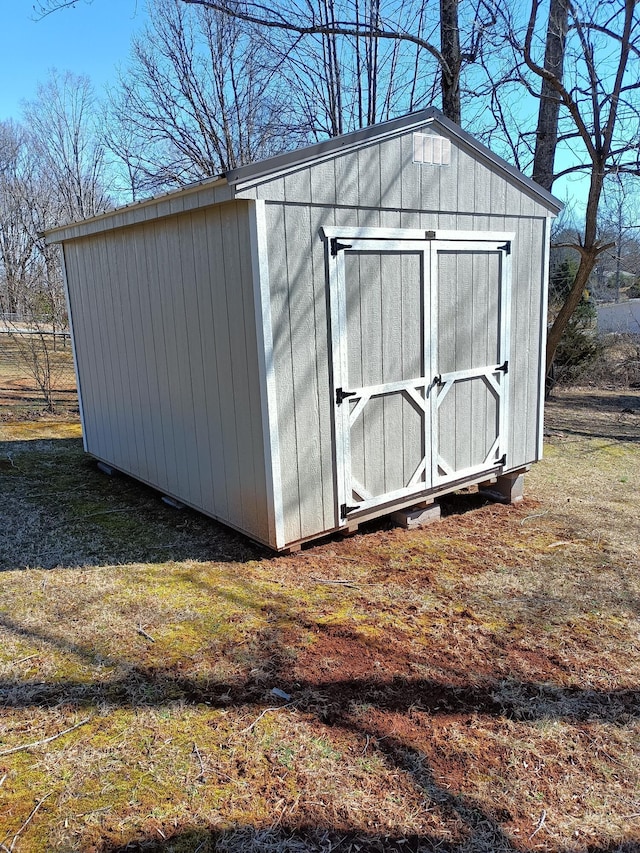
[341,654]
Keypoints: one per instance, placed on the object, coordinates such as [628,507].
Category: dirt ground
[473,686]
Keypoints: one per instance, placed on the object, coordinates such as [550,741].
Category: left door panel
[380,301]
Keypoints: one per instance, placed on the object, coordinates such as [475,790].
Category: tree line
[212,84]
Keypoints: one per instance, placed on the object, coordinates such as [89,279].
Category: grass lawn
[474,686]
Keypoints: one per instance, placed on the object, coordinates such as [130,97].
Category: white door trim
[340,239]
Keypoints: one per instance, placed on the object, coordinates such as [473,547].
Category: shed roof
[224,187]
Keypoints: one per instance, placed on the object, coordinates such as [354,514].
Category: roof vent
[431,150]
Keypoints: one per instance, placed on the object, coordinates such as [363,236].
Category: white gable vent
[433,150]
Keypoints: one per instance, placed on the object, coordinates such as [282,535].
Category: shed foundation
[506,489]
[417,516]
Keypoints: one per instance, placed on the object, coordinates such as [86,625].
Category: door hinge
[336,246]
[345,510]
[437,380]
[429,235]
[342,395]
[504,368]
[506,248]
[503,460]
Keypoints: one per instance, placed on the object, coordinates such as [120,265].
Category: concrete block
[416,516]
[507,488]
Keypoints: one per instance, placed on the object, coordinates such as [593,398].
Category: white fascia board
[347,232]
[134,213]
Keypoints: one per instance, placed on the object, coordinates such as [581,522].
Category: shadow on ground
[60,511]
[613,415]
[319,840]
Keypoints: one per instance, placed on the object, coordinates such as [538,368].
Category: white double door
[420,342]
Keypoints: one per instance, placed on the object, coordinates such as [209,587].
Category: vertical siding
[301,358]
[166,334]
[212,316]
[319,217]
[383,175]
[83,334]
[521,340]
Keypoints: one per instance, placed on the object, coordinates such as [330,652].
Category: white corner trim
[544,305]
[266,370]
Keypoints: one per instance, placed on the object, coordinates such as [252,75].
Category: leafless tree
[339,82]
[618,223]
[200,96]
[51,172]
[585,68]
[347,37]
[546,138]
[62,125]
[30,286]
[18,257]
[414,30]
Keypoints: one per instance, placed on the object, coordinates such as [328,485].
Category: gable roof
[224,187]
[349,142]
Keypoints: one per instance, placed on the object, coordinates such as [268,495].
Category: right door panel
[471,326]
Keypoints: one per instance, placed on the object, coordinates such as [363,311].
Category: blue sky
[90,38]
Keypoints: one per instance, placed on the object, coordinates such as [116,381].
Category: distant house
[620,317]
[313,340]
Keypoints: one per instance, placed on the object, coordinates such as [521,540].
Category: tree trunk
[452,62]
[548,112]
[588,257]
[587,263]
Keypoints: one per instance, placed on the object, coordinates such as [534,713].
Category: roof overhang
[224,187]
[199,194]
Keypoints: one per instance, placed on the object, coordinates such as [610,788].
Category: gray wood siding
[164,322]
[301,349]
[468,337]
[180,201]
[301,362]
[383,175]
[384,302]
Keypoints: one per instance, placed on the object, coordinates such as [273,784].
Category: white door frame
[343,238]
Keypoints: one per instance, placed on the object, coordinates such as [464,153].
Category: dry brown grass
[19,393]
[469,687]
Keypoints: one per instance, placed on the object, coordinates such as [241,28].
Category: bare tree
[31,297]
[200,96]
[585,68]
[618,223]
[62,123]
[51,172]
[338,83]
[603,110]
[412,28]
[400,22]
[549,109]
[18,256]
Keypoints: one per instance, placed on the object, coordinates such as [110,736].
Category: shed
[322,337]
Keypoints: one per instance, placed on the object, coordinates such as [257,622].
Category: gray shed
[322,337]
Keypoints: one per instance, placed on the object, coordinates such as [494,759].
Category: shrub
[579,347]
